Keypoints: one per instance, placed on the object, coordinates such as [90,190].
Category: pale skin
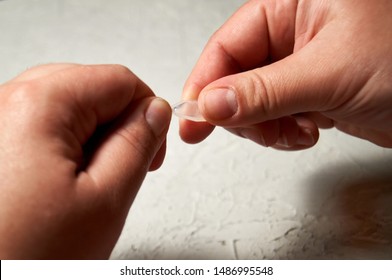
[277,71]
[77,141]
[76,144]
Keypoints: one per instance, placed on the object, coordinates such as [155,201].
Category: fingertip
[191,92]
[308,133]
[158,116]
[307,136]
[194,132]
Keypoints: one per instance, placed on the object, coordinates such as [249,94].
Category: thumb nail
[158,115]
[220,104]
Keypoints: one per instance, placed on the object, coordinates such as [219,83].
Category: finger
[287,133]
[290,86]
[265,133]
[94,95]
[123,158]
[306,135]
[159,157]
[258,33]
[194,132]
[319,119]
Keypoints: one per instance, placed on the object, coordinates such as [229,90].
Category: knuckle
[261,97]
[124,72]
[25,95]
[25,106]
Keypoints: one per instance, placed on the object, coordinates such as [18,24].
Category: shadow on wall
[352,214]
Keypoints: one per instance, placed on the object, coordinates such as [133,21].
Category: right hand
[277,71]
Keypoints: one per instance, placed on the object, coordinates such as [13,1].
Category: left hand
[76,143]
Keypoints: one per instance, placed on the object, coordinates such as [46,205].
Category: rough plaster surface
[225,198]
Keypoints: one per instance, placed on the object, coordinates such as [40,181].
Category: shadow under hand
[369,204]
[351,213]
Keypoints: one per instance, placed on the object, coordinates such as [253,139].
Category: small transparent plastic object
[188,110]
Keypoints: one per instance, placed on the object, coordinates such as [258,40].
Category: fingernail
[158,115]
[220,103]
[191,92]
[253,135]
[306,138]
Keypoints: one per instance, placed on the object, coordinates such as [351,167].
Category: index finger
[91,95]
[259,33]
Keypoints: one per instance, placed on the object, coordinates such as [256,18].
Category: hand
[277,71]
[76,143]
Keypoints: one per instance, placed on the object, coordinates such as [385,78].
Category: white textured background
[225,198]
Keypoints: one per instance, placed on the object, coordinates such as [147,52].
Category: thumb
[125,155]
[301,82]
